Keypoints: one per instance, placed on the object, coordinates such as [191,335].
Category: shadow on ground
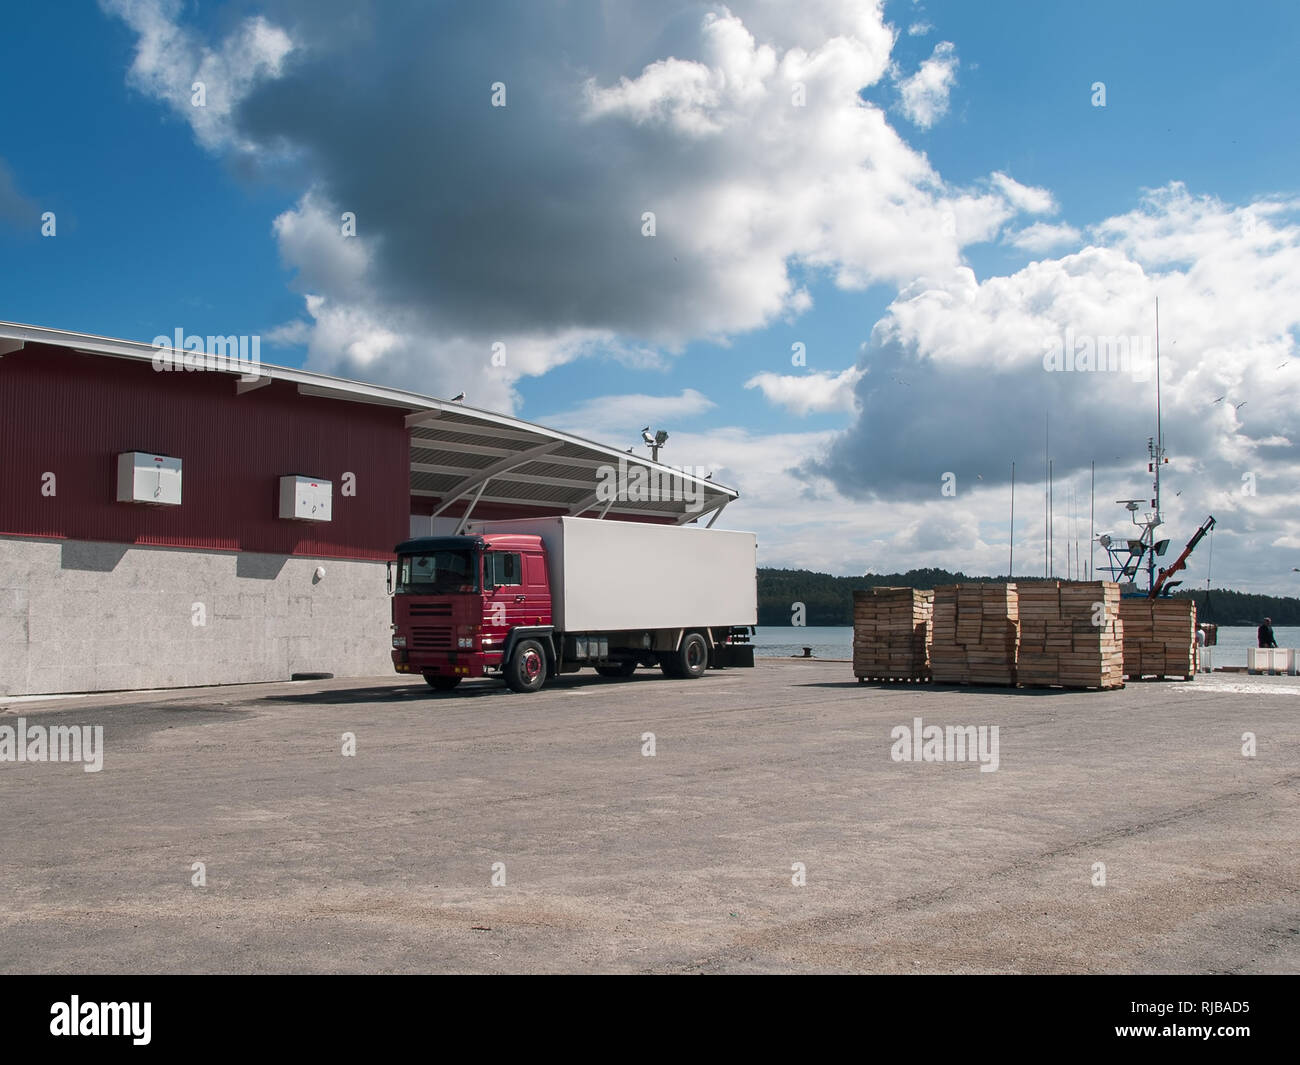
[964,689]
[472,689]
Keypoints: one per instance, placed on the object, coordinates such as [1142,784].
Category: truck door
[537,589]
[518,592]
[503,581]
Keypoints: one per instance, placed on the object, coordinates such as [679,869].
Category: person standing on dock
[1266,634]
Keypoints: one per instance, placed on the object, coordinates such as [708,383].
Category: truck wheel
[619,669]
[690,660]
[440,682]
[526,670]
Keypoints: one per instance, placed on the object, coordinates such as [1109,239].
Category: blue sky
[217,228]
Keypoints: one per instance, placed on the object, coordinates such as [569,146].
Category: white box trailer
[611,575]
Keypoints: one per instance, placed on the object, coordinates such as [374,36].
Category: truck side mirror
[389,579]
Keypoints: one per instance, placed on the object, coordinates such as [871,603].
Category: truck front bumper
[446,663]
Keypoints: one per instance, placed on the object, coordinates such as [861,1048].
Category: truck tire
[618,669]
[526,670]
[690,660]
[441,682]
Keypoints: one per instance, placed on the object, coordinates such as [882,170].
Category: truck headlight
[399,641]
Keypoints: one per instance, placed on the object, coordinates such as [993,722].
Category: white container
[1270,660]
[306,498]
[1207,660]
[146,478]
[612,575]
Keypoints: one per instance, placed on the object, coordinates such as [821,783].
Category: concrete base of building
[83,616]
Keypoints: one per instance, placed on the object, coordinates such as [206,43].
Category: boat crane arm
[1181,561]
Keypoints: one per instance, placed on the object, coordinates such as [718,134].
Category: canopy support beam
[481,477]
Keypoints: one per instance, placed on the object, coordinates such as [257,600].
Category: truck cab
[460,603]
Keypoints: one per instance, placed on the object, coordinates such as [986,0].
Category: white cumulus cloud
[804,394]
[747,139]
[1043,237]
[923,96]
[202,84]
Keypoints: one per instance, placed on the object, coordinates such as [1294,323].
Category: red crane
[1181,561]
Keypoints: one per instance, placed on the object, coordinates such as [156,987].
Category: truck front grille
[425,638]
[430,610]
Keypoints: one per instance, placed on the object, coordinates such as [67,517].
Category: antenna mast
[1157,450]
[1011,551]
[1051,524]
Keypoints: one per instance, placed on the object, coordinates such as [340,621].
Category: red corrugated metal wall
[71,415]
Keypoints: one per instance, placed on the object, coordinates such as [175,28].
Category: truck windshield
[437,573]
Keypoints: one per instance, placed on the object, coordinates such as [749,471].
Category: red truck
[533,598]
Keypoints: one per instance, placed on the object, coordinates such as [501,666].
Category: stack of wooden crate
[1071,635]
[891,633]
[1159,637]
[975,632]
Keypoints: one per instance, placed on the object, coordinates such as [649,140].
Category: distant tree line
[1243,608]
[828,600]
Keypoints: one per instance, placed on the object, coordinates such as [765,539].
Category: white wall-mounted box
[306,498]
[143,477]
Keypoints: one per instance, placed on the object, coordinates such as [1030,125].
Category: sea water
[830,641]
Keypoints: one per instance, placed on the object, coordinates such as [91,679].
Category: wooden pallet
[1076,687]
[894,680]
[1159,676]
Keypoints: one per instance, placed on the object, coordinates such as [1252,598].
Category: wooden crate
[1159,638]
[974,634]
[1071,635]
[891,633]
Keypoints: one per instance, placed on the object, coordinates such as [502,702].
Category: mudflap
[732,656]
